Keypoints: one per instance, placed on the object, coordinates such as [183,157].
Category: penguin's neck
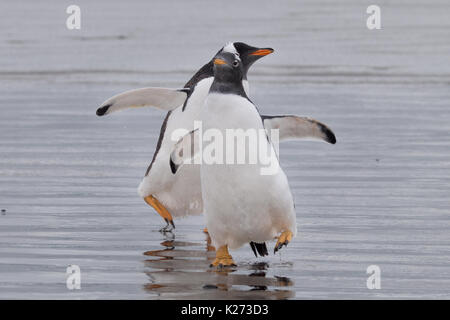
[228,87]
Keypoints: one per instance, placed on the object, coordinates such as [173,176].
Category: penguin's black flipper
[260,248]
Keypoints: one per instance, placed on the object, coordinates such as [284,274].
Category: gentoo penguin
[242,204]
[180,195]
[177,196]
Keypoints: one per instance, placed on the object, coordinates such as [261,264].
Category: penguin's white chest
[241,204]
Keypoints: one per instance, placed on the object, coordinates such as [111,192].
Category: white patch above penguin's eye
[230,48]
[235,63]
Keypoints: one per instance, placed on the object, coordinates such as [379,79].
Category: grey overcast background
[68,179]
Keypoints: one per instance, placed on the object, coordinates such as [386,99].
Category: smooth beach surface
[68,179]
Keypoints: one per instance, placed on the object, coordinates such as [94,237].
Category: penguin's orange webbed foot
[222,263]
[209,247]
[283,240]
[223,258]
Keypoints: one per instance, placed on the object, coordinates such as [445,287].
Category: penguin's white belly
[240,204]
[179,193]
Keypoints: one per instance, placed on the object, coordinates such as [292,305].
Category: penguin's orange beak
[219,61]
[261,52]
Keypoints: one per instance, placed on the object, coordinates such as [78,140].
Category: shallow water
[68,179]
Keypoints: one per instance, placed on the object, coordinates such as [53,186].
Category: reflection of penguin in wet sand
[180,195]
[242,205]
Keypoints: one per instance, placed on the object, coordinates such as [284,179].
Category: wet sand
[68,179]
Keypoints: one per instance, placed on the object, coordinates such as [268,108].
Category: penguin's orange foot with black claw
[223,258]
[162,211]
[283,240]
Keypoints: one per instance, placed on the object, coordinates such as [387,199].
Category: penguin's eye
[235,63]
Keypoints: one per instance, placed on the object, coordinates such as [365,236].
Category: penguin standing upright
[241,204]
[177,196]
[180,195]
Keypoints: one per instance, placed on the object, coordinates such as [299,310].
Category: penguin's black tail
[260,248]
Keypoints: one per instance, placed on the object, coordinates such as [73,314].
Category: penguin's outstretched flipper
[294,127]
[185,150]
[160,98]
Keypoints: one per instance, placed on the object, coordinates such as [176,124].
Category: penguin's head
[228,67]
[246,53]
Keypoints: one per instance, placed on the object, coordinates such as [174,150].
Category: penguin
[242,205]
[177,196]
[180,195]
